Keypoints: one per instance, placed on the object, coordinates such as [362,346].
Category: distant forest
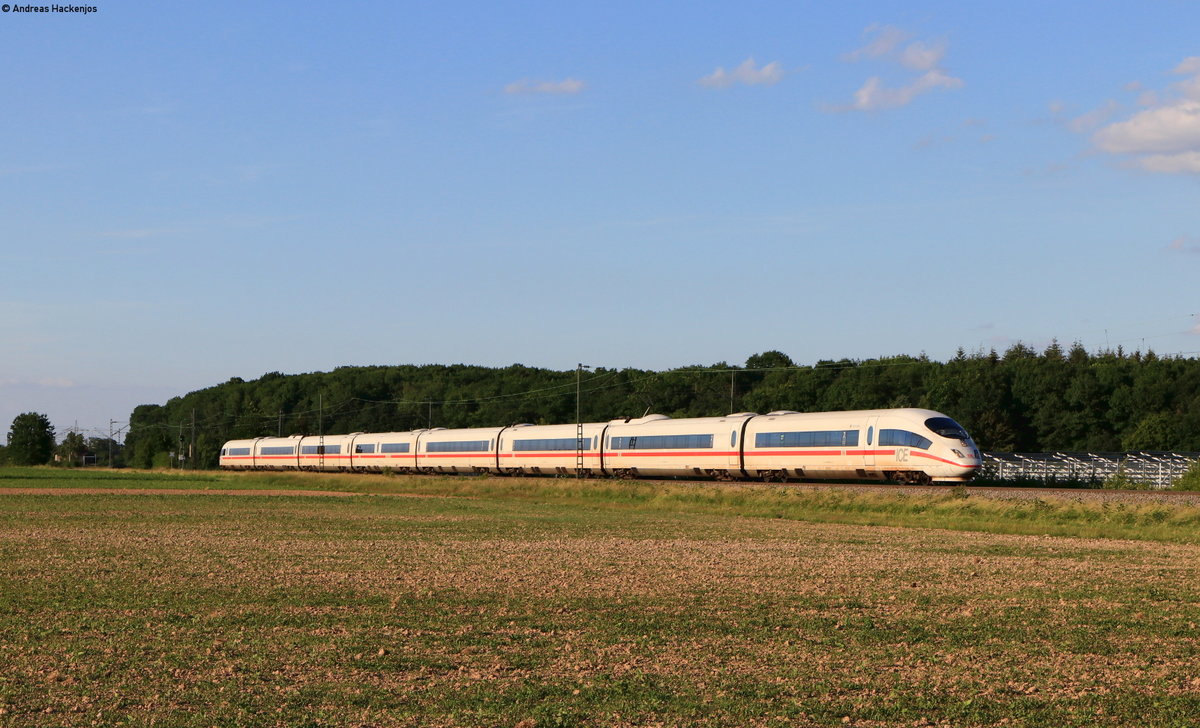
[1018,401]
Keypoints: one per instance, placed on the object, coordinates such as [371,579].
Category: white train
[901,445]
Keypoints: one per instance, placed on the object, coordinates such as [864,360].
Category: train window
[278,450]
[662,442]
[548,443]
[903,438]
[460,446]
[239,451]
[733,439]
[947,427]
[394,447]
[364,449]
[870,432]
[825,438]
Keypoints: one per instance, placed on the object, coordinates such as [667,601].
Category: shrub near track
[564,606]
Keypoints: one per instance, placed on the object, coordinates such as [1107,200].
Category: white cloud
[921,57]
[1165,129]
[564,87]
[746,73]
[1185,163]
[874,96]
[887,39]
[1165,136]
[1148,98]
[888,45]
[1189,67]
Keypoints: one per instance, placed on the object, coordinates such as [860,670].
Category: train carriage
[325,452]
[379,451]
[551,449]
[238,454]
[782,445]
[905,445]
[274,453]
[657,445]
[458,451]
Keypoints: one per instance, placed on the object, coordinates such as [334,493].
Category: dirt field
[280,610]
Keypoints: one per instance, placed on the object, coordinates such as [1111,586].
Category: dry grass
[295,611]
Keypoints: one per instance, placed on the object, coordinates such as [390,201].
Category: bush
[1120,481]
[1190,480]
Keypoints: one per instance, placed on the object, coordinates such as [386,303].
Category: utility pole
[579,421]
[192,448]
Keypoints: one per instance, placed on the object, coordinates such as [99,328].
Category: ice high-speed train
[901,445]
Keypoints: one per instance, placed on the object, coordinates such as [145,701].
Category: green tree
[30,439]
[101,447]
[72,449]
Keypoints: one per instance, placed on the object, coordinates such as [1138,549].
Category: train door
[872,434]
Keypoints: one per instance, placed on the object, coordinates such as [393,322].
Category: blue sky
[195,191]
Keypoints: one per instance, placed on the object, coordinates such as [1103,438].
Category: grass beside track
[950,509]
[503,602]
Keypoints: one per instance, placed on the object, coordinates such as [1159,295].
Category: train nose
[969,455]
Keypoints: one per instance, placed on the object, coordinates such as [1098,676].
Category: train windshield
[947,427]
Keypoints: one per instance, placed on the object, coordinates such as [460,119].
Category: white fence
[1158,469]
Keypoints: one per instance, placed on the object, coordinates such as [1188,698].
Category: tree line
[31,441]
[1019,401]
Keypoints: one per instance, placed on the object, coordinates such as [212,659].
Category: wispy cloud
[890,44]
[567,86]
[1185,244]
[1164,137]
[885,39]
[747,73]
[1093,119]
[874,96]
